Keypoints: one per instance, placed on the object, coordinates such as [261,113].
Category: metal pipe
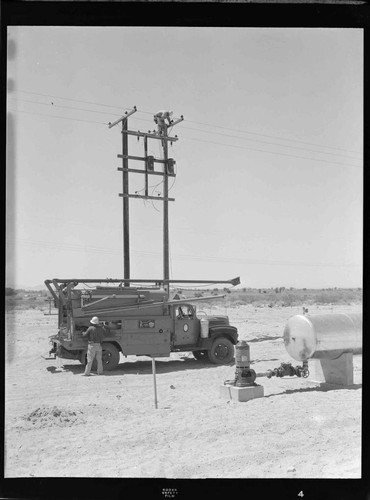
[47,284]
[148,304]
[155,383]
[234,281]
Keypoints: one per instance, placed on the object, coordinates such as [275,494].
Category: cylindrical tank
[242,354]
[204,327]
[323,335]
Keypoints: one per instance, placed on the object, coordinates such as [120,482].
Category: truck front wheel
[221,352]
[200,355]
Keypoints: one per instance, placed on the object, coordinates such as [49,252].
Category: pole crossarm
[173,123]
[124,117]
[139,158]
[137,171]
[143,197]
[151,136]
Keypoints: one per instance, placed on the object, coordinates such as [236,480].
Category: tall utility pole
[160,119]
[166,243]
[125,190]
[149,161]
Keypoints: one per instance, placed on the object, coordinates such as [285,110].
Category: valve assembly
[287,370]
[245,376]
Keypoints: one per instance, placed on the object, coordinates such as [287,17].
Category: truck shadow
[144,367]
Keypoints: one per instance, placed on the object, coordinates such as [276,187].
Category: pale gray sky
[269,180]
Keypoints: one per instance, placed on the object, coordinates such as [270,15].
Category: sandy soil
[60,424]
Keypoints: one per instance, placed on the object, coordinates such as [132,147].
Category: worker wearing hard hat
[95,336]
[160,119]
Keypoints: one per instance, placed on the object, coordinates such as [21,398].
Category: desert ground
[60,424]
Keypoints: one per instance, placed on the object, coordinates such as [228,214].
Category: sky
[269,183]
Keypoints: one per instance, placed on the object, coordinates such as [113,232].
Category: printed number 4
[300,494]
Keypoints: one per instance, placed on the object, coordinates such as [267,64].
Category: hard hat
[94,320]
[164,113]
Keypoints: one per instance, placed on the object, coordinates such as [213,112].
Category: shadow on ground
[319,388]
[264,338]
[143,367]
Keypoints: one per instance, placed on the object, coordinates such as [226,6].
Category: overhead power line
[200,140]
[274,137]
[195,122]
[270,143]
[69,99]
[53,105]
[187,257]
[52,116]
[271,152]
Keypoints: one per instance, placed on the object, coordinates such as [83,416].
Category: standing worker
[95,336]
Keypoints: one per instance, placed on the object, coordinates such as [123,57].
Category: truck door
[185,331]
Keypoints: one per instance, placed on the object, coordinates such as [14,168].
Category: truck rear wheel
[110,357]
[221,352]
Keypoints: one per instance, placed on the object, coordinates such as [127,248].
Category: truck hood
[218,320]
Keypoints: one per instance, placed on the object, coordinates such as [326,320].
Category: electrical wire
[52,116]
[195,122]
[186,257]
[273,152]
[206,141]
[269,143]
[69,99]
[53,105]
[273,137]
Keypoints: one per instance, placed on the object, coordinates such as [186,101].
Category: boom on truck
[138,320]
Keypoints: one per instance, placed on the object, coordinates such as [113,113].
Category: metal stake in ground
[155,384]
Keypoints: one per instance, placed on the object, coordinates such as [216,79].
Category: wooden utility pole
[166,249]
[125,190]
[126,208]
[149,161]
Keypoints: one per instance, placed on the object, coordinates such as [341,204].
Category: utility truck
[137,320]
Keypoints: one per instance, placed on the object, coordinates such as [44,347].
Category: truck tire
[200,355]
[110,356]
[221,351]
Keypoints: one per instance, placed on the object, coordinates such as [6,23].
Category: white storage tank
[323,335]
